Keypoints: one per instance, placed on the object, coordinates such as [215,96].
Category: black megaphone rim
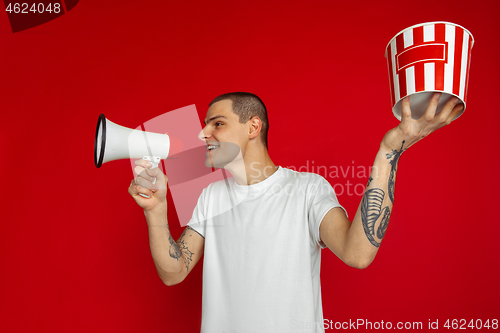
[100,122]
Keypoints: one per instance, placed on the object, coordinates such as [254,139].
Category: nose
[204,135]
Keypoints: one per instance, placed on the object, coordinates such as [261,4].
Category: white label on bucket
[429,35]
[430,75]
[410,80]
[463,70]
[448,67]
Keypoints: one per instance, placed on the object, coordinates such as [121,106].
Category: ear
[255,125]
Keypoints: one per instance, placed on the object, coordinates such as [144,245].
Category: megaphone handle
[155,160]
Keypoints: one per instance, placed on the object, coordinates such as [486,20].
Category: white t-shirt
[261,270]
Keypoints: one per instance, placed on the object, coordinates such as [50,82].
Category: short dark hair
[247,105]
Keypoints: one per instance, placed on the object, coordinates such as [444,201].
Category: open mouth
[212,147]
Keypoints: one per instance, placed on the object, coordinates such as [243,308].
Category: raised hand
[409,131]
[143,184]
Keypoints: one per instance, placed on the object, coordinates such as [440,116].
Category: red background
[74,250]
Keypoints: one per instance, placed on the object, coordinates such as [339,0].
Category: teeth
[212,147]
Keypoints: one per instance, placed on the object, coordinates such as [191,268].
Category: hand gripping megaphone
[115,142]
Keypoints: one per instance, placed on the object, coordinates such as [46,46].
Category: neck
[252,168]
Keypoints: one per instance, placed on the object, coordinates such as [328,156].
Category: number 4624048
[24,8]
[462,324]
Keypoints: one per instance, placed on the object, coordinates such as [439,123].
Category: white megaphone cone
[115,142]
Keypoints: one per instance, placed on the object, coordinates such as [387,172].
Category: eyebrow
[214,117]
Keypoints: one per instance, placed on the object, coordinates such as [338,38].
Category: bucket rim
[399,117]
[428,23]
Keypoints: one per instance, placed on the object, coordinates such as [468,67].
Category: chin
[208,163]
[217,164]
[223,156]
[211,162]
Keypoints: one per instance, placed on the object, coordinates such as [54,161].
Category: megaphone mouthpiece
[176,146]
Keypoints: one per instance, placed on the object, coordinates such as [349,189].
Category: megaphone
[115,142]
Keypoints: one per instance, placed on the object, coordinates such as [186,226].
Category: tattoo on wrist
[371,211]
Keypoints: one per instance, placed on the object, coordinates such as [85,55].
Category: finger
[161,179]
[142,190]
[140,172]
[430,112]
[405,109]
[143,163]
[135,189]
[456,111]
[145,183]
[132,188]
[448,108]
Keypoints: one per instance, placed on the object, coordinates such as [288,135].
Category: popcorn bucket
[427,58]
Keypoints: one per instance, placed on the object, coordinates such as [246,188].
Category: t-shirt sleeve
[322,200]
[198,220]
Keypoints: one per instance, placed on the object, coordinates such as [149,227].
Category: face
[223,135]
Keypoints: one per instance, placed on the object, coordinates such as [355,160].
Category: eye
[217,124]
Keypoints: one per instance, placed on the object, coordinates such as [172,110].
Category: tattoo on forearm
[371,210]
[371,203]
[386,214]
[179,248]
[186,253]
[174,250]
[393,158]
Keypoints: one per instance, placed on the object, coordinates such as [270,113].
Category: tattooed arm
[173,260]
[357,243]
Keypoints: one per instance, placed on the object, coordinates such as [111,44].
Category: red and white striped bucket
[427,58]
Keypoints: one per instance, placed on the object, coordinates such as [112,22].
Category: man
[262,230]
